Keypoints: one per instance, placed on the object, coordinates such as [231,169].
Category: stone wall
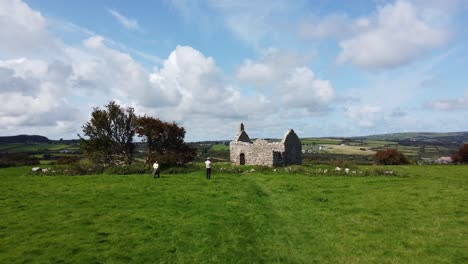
[286,152]
[259,153]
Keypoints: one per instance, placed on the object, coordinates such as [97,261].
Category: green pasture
[219,147]
[272,217]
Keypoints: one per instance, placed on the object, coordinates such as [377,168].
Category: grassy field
[235,218]
[219,147]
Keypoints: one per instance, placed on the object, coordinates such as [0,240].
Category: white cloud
[303,89]
[58,90]
[128,23]
[273,66]
[202,88]
[332,26]
[252,22]
[23,30]
[288,78]
[365,116]
[450,104]
[397,34]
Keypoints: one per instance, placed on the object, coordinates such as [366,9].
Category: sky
[322,67]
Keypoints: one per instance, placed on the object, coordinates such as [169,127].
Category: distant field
[319,141]
[348,150]
[236,218]
[21,147]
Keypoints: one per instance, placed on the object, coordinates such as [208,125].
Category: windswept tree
[461,156]
[110,135]
[165,141]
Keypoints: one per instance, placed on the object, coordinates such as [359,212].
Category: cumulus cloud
[59,89]
[23,30]
[450,104]
[128,23]
[289,79]
[202,87]
[397,35]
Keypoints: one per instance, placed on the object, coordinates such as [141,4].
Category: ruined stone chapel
[284,153]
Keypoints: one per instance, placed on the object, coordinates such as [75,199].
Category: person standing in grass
[208,168]
[156,169]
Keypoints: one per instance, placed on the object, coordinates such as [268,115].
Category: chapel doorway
[242,159]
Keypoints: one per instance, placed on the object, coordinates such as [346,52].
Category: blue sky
[323,68]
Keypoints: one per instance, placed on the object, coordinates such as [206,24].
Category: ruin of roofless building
[284,153]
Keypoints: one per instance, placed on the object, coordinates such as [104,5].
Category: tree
[390,157]
[110,132]
[151,130]
[461,156]
[165,141]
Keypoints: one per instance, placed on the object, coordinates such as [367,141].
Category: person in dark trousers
[208,168]
[156,169]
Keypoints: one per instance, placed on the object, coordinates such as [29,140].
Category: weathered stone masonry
[284,153]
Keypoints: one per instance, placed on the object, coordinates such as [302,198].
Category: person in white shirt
[208,168]
[156,169]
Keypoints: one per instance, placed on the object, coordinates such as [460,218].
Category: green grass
[245,218]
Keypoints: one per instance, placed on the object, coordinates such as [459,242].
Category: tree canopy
[461,156]
[110,135]
[111,131]
[165,141]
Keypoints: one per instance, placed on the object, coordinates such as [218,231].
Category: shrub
[390,157]
[17,159]
[182,169]
[344,164]
[135,168]
[83,169]
[66,160]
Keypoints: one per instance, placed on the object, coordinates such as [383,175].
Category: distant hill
[30,139]
[437,139]
[24,139]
